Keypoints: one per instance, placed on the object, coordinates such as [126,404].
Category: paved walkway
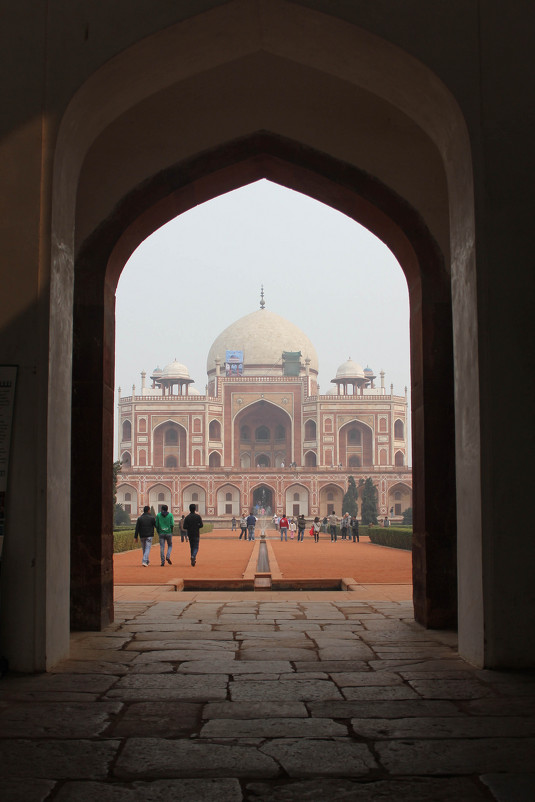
[273,701]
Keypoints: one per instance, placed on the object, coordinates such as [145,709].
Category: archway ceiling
[261,92]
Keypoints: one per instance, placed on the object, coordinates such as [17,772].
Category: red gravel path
[223,556]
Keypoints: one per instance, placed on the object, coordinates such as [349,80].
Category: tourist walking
[164,526]
[251,523]
[333,520]
[301,526]
[233,524]
[145,526]
[183,533]
[193,524]
[283,525]
[243,529]
[317,526]
[355,528]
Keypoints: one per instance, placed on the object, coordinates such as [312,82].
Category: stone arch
[310,429]
[331,496]
[169,439]
[399,498]
[159,494]
[194,494]
[297,500]
[123,491]
[214,430]
[310,459]
[214,460]
[226,505]
[355,439]
[399,429]
[437,132]
[127,430]
[399,458]
[126,459]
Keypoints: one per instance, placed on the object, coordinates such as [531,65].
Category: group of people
[163,523]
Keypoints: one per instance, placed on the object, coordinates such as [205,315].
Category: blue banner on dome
[234,363]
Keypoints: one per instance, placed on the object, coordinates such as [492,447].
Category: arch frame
[357,194]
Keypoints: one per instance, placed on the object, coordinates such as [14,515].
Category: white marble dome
[262,336]
[350,370]
[175,370]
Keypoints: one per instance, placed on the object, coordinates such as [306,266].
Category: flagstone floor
[243,699]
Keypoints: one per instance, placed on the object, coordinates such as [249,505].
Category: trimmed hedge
[123,537]
[392,536]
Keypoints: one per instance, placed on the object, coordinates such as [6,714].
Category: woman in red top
[283,525]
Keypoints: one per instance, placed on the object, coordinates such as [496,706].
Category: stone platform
[246,700]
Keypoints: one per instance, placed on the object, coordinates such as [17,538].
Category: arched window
[245,461]
[330,496]
[170,461]
[171,437]
[245,433]
[399,458]
[125,459]
[142,425]
[397,496]
[354,435]
[296,496]
[128,496]
[280,432]
[215,430]
[194,496]
[355,461]
[197,457]
[310,430]
[127,430]
[399,430]
[161,496]
[310,459]
[262,433]
[228,496]
[214,460]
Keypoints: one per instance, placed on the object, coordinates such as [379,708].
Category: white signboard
[8,378]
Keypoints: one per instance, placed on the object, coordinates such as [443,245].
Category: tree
[120,515]
[407,516]
[350,501]
[369,501]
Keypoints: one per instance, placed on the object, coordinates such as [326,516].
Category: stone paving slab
[274,728]
[158,720]
[26,790]
[156,758]
[511,788]
[236,667]
[461,756]
[192,790]
[340,790]
[59,759]
[381,709]
[57,720]
[451,727]
[307,758]
[253,710]
[378,693]
[300,690]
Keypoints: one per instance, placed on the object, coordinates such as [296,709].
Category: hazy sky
[202,271]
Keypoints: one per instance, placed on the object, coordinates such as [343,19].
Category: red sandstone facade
[262,438]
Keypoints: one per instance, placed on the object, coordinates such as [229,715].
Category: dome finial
[262,302]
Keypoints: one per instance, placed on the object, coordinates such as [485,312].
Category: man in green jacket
[164,527]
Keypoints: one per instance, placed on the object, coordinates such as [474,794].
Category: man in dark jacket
[192,524]
[145,526]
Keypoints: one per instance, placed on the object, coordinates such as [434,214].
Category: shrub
[392,536]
